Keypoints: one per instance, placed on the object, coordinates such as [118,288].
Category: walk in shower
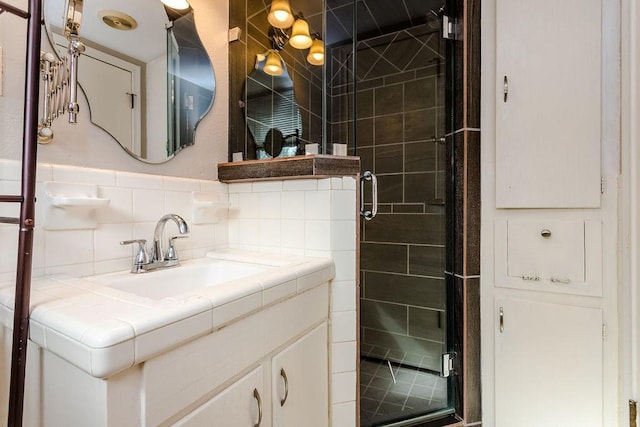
[387,93]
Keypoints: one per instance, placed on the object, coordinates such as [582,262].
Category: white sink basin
[188,277]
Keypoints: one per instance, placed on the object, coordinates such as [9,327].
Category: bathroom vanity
[250,350]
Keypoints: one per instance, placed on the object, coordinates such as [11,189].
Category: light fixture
[316,52]
[293,29]
[280,15]
[273,65]
[300,37]
[177,4]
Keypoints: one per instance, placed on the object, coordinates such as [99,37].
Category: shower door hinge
[451,28]
[449,364]
[603,185]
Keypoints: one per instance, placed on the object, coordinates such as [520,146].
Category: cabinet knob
[545,233]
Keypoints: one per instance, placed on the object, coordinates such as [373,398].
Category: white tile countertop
[104,330]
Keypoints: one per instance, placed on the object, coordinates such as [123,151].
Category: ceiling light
[300,37]
[176,4]
[280,15]
[273,66]
[316,53]
[117,20]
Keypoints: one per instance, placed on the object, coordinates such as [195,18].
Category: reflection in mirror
[145,73]
[273,116]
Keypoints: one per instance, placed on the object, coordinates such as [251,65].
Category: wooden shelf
[312,166]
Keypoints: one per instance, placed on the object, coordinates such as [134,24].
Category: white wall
[83,144]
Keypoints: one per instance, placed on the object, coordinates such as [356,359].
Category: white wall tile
[120,207]
[107,238]
[343,296]
[214,187]
[336,183]
[9,248]
[343,356]
[343,326]
[148,205]
[343,414]
[267,186]
[249,232]
[345,263]
[343,235]
[240,187]
[181,184]
[202,235]
[44,172]
[343,205]
[10,170]
[68,247]
[292,234]
[292,205]
[10,188]
[270,205]
[300,185]
[324,184]
[349,183]
[248,205]
[269,233]
[317,235]
[179,203]
[343,387]
[317,205]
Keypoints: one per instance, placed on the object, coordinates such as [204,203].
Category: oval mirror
[272,114]
[145,74]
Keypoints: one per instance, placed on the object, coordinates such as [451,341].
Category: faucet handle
[172,254]
[141,258]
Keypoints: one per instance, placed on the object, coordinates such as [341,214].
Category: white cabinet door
[300,382]
[548,124]
[239,405]
[548,362]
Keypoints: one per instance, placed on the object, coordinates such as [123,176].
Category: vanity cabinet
[299,394]
[548,362]
[548,103]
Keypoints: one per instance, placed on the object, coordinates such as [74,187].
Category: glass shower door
[388,100]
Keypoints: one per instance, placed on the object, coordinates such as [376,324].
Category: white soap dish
[69,206]
[207,207]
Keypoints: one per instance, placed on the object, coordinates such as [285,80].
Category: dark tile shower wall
[399,125]
[251,17]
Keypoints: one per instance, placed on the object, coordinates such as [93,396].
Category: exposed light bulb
[316,53]
[300,37]
[177,4]
[280,15]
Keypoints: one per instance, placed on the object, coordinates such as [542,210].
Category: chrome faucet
[142,263]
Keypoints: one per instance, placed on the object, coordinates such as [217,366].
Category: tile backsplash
[136,203]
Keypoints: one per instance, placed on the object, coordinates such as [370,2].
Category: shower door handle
[366,214]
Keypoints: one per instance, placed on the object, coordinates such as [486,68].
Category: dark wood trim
[312,166]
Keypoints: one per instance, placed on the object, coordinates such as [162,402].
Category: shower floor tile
[408,392]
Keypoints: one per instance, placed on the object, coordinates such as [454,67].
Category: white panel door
[235,406]
[548,125]
[548,365]
[302,398]
[109,88]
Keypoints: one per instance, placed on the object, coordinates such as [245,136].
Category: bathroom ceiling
[378,17]
[145,42]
